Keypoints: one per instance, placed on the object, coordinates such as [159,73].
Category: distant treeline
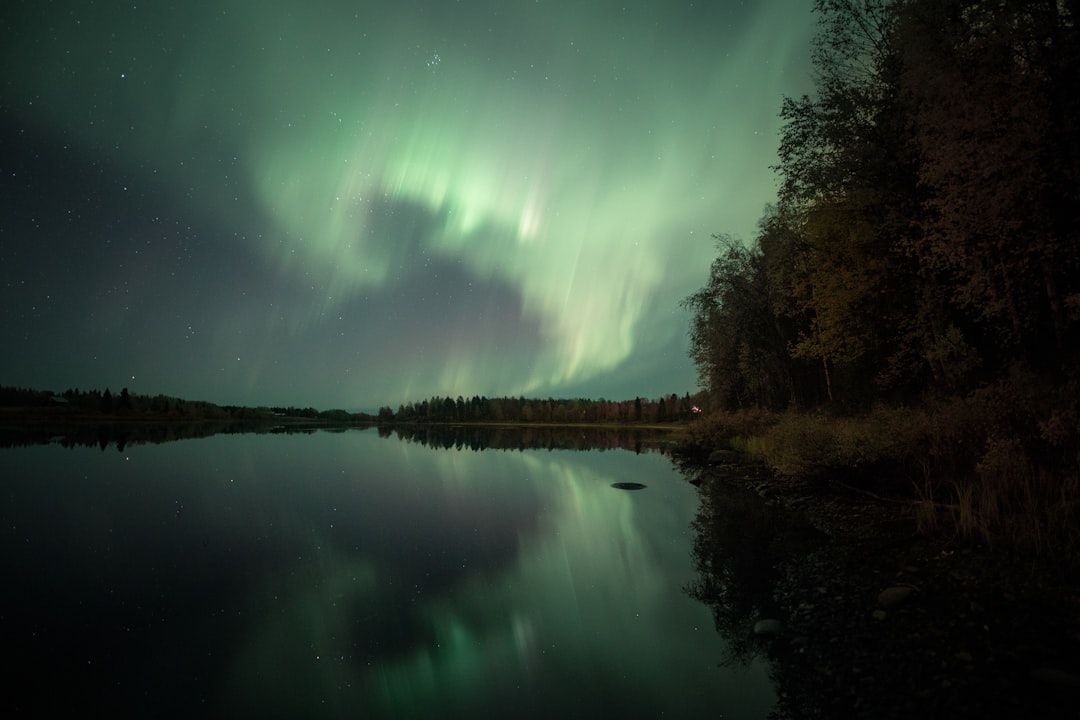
[74,403]
[96,405]
[669,408]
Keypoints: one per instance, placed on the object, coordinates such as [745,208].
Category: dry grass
[730,429]
[1009,500]
[809,445]
[999,466]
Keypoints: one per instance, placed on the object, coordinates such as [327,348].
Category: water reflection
[736,551]
[340,574]
[740,544]
[521,437]
[120,434]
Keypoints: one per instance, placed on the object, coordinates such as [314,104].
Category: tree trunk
[828,380]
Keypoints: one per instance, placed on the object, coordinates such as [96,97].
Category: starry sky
[351,203]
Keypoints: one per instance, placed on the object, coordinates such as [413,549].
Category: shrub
[1001,465]
[813,445]
[729,429]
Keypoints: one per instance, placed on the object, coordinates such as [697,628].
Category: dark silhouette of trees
[924,253]
[438,409]
[925,237]
[991,95]
[736,340]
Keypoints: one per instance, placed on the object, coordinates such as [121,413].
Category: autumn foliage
[924,251]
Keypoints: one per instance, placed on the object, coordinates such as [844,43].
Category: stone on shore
[895,596]
[769,627]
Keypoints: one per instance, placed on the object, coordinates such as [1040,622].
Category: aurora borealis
[348,204]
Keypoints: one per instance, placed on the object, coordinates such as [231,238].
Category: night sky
[350,204]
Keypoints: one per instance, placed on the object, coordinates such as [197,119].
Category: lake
[333,574]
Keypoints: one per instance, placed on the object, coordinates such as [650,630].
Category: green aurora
[357,203]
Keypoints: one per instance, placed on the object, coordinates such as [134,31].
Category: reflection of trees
[735,553]
[123,434]
[739,545]
[550,437]
[472,437]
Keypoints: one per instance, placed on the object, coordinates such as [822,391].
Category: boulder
[895,596]
[769,627]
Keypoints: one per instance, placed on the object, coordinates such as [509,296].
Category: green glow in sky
[567,162]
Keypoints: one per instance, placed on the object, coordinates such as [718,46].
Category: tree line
[438,409]
[96,403]
[924,242]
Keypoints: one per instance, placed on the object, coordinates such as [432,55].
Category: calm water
[344,574]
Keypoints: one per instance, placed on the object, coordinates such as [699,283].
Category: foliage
[990,92]
[94,405]
[925,238]
[438,409]
[736,344]
[924,256]
[728,428]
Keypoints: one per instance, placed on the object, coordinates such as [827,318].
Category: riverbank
[868,618]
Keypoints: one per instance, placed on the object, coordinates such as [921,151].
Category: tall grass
[814,445]
[731,430]
[1010,500]
[999,466]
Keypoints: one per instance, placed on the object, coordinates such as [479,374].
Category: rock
[770,627]
[720,456]
[895,596]
[1056,678]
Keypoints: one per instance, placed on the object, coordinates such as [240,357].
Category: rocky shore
[868,619]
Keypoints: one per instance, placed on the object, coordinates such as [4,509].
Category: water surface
[344,574]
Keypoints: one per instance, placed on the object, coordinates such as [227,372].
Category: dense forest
[96,405]
[912,300]
[669,408]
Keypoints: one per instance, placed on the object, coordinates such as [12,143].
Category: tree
[850,209]
[733,337]
[992,97]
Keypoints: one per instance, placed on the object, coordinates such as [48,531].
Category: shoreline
[874,620]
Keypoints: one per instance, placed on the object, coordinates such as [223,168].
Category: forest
[666,409]
[97,406]
[93,406]
[909,305]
